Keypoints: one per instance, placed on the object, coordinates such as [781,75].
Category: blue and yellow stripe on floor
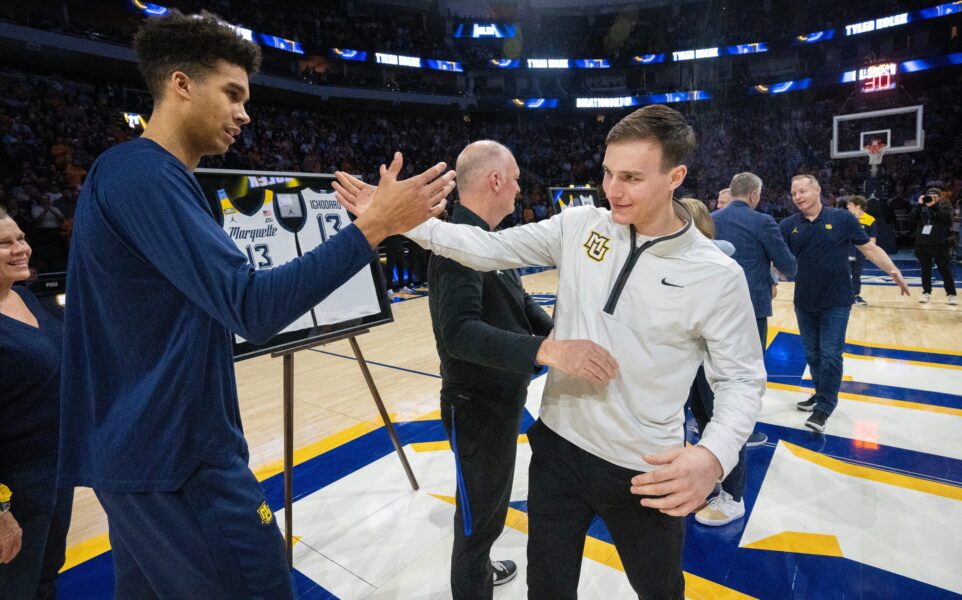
[792,566]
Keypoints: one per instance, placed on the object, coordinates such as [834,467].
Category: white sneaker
[721,510]
[953,300]
[924,298]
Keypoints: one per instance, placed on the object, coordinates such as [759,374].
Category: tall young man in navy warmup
[820,238]
[150,414]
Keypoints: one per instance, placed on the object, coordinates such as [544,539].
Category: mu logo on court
[597,246]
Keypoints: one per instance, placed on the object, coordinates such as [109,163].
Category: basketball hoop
[875,152]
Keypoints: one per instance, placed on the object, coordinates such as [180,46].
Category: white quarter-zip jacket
[674,303]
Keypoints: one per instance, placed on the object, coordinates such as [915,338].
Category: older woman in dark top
[35,515]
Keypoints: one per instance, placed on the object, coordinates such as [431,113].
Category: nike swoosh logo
[664,281]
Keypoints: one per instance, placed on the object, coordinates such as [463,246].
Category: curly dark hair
[189,43]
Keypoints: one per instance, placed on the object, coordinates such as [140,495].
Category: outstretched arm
[534,244]
[395,206]
[878,256]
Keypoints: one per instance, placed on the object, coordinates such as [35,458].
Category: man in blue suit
[758,244]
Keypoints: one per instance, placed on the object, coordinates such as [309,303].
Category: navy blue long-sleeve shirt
[155,289]
[29,387]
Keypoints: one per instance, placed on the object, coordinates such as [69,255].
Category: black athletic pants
[567,488]
[940,255]
[484,437]
[394,251]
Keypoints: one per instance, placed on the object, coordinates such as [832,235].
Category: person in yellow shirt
[857,206]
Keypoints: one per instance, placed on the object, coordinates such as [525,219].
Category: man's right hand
[11,537]
[394,206]
[583,359]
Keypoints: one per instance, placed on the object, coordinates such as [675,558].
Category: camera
[929,199]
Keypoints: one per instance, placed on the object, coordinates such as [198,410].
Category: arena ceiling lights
[782,87]
[933,12]
[862,75]
[613,102]
[490,30]
[264,39]
[535,103]
[647,59]
[348,54]
[735,50]
[497,30]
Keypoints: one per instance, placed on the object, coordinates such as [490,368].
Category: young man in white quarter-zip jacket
[643,283]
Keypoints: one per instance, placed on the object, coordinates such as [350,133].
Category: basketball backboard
[899,129]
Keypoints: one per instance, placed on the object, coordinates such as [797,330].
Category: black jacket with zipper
[939,216]
[487,328]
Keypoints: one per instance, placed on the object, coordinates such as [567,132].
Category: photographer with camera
[933,234]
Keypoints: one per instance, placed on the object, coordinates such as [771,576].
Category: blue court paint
[785,363]
[307,589]
[339,462]
[872,275]
[711,553]
[94,580]
[91,580]
[939,358]
[910,462]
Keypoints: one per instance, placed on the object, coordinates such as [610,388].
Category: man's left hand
[900,281]
[683,484]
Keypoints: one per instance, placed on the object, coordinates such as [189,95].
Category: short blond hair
[699,216]
[811,178]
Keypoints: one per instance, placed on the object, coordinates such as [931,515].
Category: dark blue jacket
[758,243]
[156,289]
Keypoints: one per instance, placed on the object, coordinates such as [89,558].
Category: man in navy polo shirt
[820,238]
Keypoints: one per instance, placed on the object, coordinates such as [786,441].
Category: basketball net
[875,152]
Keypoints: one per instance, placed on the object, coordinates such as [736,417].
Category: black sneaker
[806,405]
[504,571]
[817,421]
[859,301]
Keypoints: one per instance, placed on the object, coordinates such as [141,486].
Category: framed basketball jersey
[274,218]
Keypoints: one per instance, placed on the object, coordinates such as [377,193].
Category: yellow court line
[95,546]
[317,448]
[885,346]
[446,445]
[434,415]
[85,550]
[925,486]
[944,410]
[918,363]
[800,542]
[600,551]
[431,446]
